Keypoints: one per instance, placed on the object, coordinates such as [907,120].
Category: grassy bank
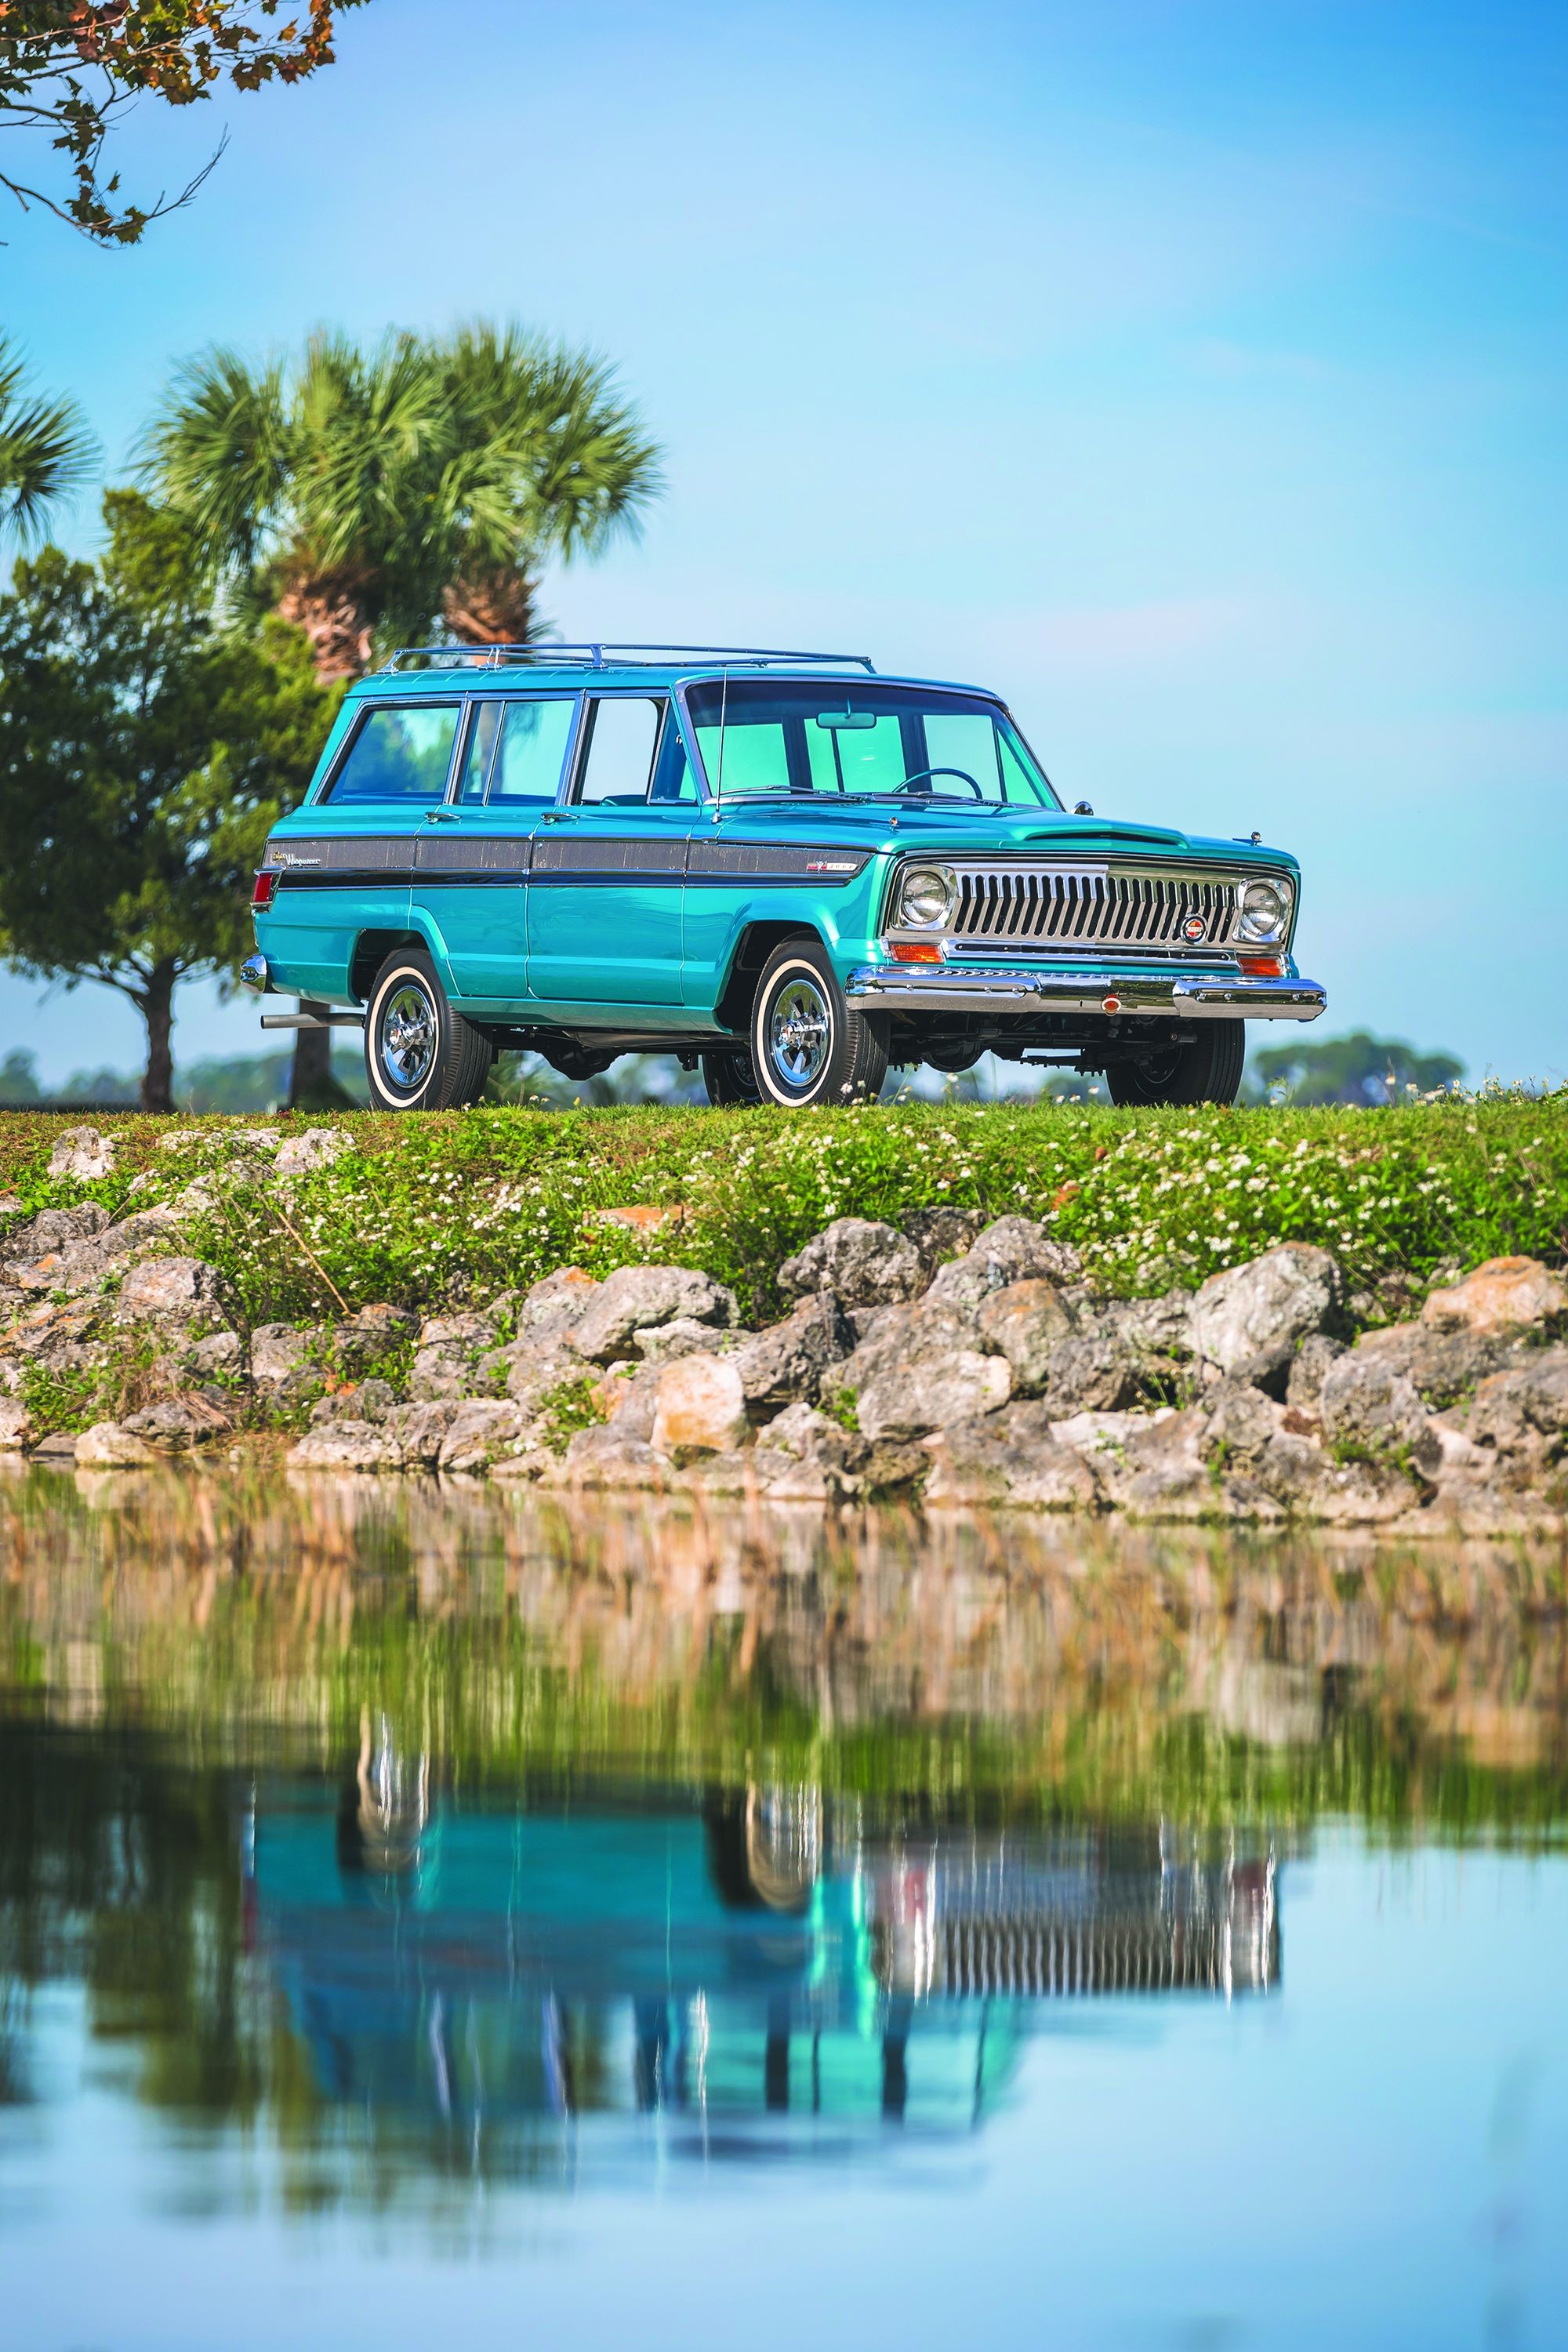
[427,1211]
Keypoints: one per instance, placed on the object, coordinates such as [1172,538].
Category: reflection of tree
[122,1865]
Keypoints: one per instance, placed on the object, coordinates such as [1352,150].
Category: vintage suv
[780,865]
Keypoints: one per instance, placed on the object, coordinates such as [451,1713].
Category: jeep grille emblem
[1194,928]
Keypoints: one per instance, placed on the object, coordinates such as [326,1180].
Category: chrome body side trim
[1001,988]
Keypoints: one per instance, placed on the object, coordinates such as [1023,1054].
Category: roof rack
[611,655]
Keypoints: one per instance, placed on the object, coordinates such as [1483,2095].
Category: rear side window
[532,751]
[620,757]
[400,755]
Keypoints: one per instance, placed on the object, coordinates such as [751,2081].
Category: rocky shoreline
[955,1363]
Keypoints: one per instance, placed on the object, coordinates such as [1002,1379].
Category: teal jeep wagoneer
[782,866]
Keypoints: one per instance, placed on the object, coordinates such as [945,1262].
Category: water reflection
[422,1836]
[761,1952]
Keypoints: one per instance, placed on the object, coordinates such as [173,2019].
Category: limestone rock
[1255,1316]
[663,1342]
[1027,1322]
[920,1370]
[186,1290]
[51,1229]
[223,1352]
[416,1434]
[791,1361]
[942,1234]
[1524,1410]
[371,1401]
[16,1426]
[318,1147]
[1506,1293]
[1091,1373]
[603,1458]
[863,1261]
[1442,1364]
[1009,1457]
[553,1308]
[109,1445]
[701,1408]
[82,1152]
[348,1446]
[1366,1406]
[1009,1250]
[636,1297]
[1308,1367]
[179,1424]
[1107,1433]
[480,1431]
[277,1349]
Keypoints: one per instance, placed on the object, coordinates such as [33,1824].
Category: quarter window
[399,754]
[619,758]
[532,751]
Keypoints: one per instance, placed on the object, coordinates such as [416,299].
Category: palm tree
[376,496]
[46,451]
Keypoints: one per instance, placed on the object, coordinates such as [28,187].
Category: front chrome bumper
[1024,988]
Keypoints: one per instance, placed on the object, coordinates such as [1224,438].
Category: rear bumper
[1022,987]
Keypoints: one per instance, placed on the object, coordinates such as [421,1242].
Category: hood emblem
[1193,929]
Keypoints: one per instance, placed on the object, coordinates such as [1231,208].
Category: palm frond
[219,450]
[46,451]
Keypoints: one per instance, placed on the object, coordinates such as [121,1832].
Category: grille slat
[1053,905]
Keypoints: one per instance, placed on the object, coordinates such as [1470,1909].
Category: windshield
[826,737]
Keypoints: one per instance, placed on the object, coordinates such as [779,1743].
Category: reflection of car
[764,1952]
[781,863]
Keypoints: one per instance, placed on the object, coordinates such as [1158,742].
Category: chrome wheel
[406,1038]
[800,1033]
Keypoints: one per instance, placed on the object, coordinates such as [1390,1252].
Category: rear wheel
[730,1080]
[809,1045]
[420,1054]
[1206,1070]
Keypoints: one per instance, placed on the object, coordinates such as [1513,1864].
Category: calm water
[446,1919]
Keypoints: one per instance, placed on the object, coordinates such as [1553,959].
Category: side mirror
[1083,808]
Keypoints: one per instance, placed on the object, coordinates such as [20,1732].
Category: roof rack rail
[612,654]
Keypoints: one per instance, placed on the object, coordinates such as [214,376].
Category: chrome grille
[1102,905]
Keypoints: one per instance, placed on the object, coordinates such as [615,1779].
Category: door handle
[441,816]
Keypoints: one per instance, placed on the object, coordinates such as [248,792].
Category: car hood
[959,833]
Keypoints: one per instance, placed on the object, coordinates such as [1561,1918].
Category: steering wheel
[909,781]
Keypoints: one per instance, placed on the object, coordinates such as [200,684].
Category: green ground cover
[429,1211]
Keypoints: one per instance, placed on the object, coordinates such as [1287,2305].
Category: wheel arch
[755,943]
[371,951]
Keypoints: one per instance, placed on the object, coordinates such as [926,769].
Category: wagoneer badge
[830,866]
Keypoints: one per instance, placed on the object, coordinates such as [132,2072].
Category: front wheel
[730,1081]
[1206,1070]
[420,1054]
[809,1045]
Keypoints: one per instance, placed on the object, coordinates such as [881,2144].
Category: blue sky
[1195,373]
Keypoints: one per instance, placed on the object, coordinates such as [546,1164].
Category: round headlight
[925,896]
[1265,911]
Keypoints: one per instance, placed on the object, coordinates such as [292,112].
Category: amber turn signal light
[916,951]
[266,890]
[1262,967]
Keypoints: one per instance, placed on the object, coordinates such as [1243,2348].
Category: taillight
[266,890]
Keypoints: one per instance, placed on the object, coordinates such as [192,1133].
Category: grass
[467,1206]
